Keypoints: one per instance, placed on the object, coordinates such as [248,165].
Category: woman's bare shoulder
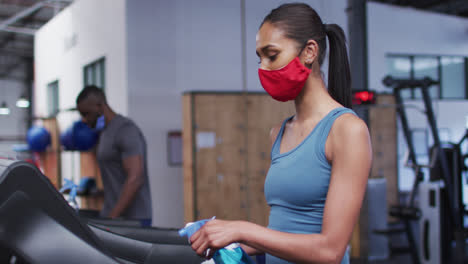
[274,132]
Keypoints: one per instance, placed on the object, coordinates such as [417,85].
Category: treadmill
[38,226]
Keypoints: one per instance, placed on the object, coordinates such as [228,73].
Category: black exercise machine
[450,175]
[38,226]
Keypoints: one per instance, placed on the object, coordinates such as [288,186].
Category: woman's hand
[215,234]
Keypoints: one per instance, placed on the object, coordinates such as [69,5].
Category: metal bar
[18,16]
[465,136]
[418,175]
[450,6]
[25,31]
[357,20]
[423,4]
[412,242]
[404,123]
[13,78]
[439,76]
[435,134]
[34,20]
[457,184]
[466,79]
[455,212]
[413,93]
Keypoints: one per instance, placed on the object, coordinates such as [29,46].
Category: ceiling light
[4,110]
[22,102]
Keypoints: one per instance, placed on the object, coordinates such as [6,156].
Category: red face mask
[286,83]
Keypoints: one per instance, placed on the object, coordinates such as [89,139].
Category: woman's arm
[250,250]
[298,248]
[348,147]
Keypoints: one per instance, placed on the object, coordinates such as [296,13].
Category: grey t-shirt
[120,139]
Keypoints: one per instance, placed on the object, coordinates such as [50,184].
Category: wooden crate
[50,159]
[89,168]
[226,152]
[50,164]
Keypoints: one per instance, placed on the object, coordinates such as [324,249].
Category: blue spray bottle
[70,185]
[231,254]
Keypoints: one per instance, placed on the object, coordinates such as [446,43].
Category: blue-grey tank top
[297,182]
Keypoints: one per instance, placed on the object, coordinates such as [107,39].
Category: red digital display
[363,97]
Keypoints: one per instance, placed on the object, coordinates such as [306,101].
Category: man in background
[121,155]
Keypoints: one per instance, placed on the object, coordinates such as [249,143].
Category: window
[94,73]
[426,67]
[450,71]
[400,67]
[453,77]
[53,98]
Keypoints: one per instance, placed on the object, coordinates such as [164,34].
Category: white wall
[180,46]
[408,31]
[97,29]
[174,47]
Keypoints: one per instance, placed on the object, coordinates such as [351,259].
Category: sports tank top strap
[326,126]
[276,145]
[330,119]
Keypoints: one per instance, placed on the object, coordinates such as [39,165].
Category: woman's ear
[310,53]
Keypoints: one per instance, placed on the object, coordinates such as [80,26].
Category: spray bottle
[231,254]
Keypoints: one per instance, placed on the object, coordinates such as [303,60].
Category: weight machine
[440,169]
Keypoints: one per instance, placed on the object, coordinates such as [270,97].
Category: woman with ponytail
[320,157]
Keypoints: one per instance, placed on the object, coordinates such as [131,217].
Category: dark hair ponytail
[339,75]
[301,23]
